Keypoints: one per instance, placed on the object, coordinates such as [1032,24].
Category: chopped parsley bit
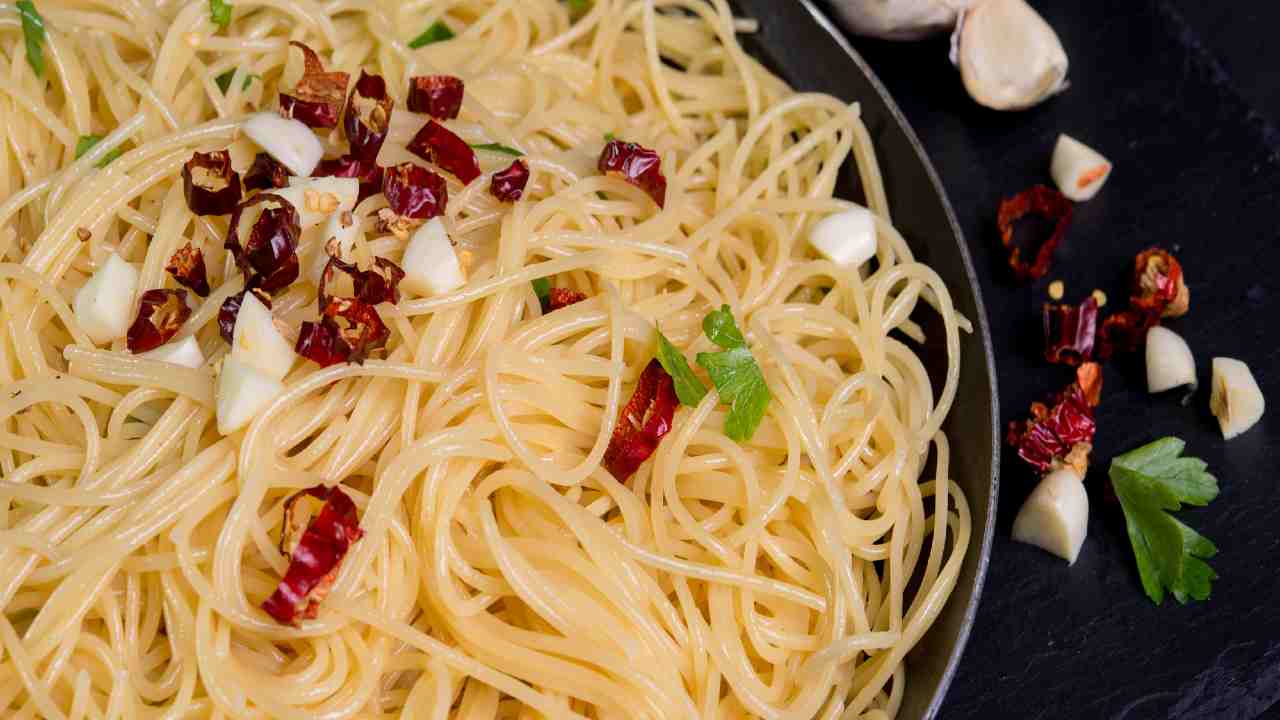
[438,32]
[578,7]
[1151,482]
[86,143]
[689,389]
[542,288]
[33,33]
[220,13]
[735,375]
[497,148]
[224,80]
[610,137]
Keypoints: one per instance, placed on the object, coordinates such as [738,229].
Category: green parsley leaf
[735,374]
[220,13]
[86,143]
[578,7]
[1151,482]
[497,148]
[542,288]
[438,32]
[610,137]
[689,388]
[33,33]
[224,80]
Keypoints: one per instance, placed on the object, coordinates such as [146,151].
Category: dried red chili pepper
[187,267]
[439,96]
[315,555]
[643,422]
[1043,201]
[1061,435]
[559,298]
[637,165]
[414,192]
[1124,331]
[508,185]
[1158,285]
[1069,332]
[318,96]
[367,117]
[160,316]
[436,143]
[269,258]
[348,330]
[380,283]
[368,173]
[210,185]
[230,310]
[265,173]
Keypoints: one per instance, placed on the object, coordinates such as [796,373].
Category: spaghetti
[500,570]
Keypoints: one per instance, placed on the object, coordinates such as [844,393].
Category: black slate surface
[1196,170]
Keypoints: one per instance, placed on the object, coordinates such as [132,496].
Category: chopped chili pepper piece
[508,185]
[1069,331]
[210,185]
[642,423]
[230,310]
[380,283]
[637,165]
[559,298]
[160,316]
[318,97]
[266,173]
[187,267]
[316,554]
[437,144]
[1061,435]
[367,117]
[1158,285]
[348,331]
[1043,201]
[414,194]
[269,258]
[1124,331]
[439,96]
[368,173]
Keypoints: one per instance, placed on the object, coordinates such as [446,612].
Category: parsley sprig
[1152,482]
[733,371]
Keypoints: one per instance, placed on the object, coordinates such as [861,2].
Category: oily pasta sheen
[503,572]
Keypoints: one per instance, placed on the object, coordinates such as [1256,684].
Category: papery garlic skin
[1236,399]
[1078,170]
[1170,363]
[901,19]
[1055,517]
[1009,57]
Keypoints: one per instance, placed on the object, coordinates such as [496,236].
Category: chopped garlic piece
[1169,361]
[846,238]
[1055,516]
[243,391]
[1236,399]
[338,238]
[257,342]
[430,264]
[318,199]
[1078,170]
[286,140]
[1009,57]
[104,305]
[185,352]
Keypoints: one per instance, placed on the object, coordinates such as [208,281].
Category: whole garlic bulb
[1009,57]
[901,19]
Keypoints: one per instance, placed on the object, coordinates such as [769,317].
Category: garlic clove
[339,236]
[1078,170]
[286,140]
[185,352]
[243,391]
[318,199]
[1055,516]
[103,306]
[1170,363]
[257,342]
[1236,399]
[846,238]
[1009,57]
[901,19]
[430,264]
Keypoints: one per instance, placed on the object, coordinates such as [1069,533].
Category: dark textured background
[1181,96]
